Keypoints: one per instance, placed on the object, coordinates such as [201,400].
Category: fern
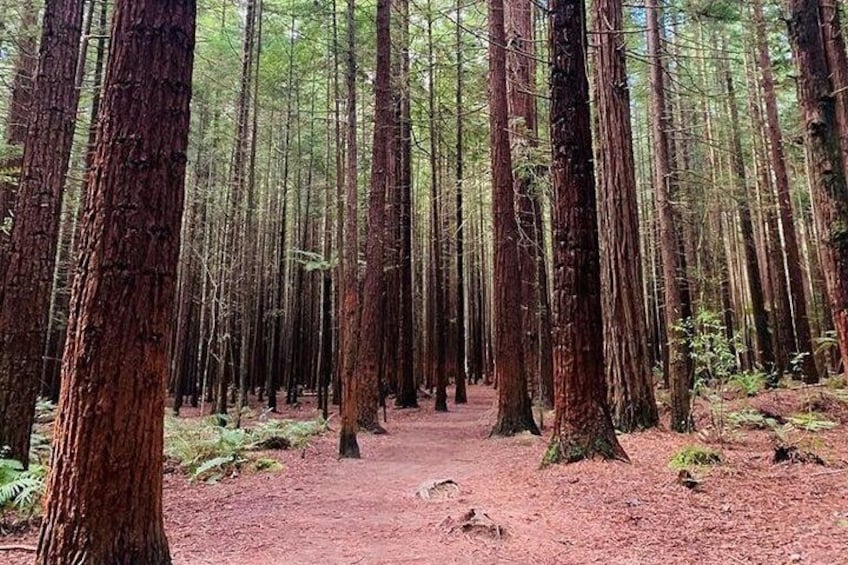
[21,489]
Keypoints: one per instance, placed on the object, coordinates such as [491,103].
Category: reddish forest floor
[322,510]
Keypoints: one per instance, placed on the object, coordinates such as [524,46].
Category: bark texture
[582,428]
[25,300]
[104,501]
[819,53]
[673,274]
[514,410]
[628,374]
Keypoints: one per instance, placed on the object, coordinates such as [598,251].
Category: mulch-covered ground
[318,509]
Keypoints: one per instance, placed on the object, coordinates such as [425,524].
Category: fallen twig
[30,548]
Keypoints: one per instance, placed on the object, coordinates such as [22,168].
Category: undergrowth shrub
[694,456]
[209,452]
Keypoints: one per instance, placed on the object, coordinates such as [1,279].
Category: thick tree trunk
[583,428]
[371,319]
[672,273]
[25,300]
[522,113]
[628,375]
[821,62]
[514,409]
[107,454]
[802,339]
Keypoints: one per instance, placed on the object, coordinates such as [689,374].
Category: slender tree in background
[107,454]
[628,374]
[25,299]
[821,62]
[348,446]
[460,396]
[26,61]
[440,307]
[582,428]
[802,342]
[762,340]
[672,273]
[407,393]
[514,409]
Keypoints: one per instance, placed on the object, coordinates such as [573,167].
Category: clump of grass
[206,451]
[694,456]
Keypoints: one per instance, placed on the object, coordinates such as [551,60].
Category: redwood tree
[104,501]
[825,117]
[582,428]
[25,299]
[514,410]
[628,372]
[799,321]
[672,272]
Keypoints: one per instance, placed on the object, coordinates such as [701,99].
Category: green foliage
[750,382]
[811,422]
[694,456]
[712,351]
[21,489]
[209,452]
[751,419]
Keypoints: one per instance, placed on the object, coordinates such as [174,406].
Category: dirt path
[321,510]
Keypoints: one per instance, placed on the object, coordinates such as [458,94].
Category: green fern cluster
[206,451]
[21,490]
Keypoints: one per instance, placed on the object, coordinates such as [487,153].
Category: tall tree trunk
[348,447]
[107,453]
[460,396]
[803,342]
[514,409]
[672,273]
[582,428]
[522,112]
[25,300]
[407,393]
[819,50]
[26,61]
[763,350]
[371,318]
[628,374]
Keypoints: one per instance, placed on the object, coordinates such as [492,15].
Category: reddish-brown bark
[371,317]
[514,410]
[25,300]
[800,322]
[762,345]
[104,500]
[17,119]
[628,376]
[825,105]
[348,446]
[582,428]
[673,272]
